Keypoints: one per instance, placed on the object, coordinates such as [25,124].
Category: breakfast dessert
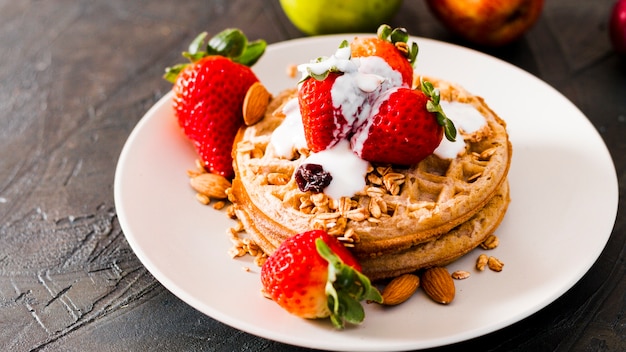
[396,218]
[364,171]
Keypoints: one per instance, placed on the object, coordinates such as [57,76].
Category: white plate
[564,203]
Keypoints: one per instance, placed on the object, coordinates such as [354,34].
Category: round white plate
[564,202]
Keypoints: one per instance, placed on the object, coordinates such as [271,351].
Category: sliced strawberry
[312,275]
[209,93]
[390,45]
[403,130]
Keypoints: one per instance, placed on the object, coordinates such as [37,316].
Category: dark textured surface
[76,78]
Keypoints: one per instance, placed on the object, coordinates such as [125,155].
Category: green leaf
[413,50]
[172,72]
[198,43]
[433,106]
[319,77]
[353,311]
[436,97]
[449,129]
[426,87]
[399,35]
[229,43]
[430,106]
[252,53]
[345,289]
[384,31]
[195,56]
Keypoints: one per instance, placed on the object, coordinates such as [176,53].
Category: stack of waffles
[404,219]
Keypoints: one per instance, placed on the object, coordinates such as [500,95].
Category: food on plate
[312,275]
[399,218]
[438,285]
[209,92]
[306,165]
[366,169]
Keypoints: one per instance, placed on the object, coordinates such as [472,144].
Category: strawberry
[390,45]
[324,124]
[407,126]
[312,275]
[209,93]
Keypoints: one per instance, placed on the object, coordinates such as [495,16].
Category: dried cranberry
[312,177]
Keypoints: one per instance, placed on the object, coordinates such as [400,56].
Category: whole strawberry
[325,124]
[209,93]
[312,275]
[407,126]
[391,46]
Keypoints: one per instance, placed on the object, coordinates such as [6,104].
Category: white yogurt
[347,169]
[289,135]
[375,65]
[340,60]
[467,119]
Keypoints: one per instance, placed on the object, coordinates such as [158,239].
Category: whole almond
[400,289]
[211,185]
[438,285]
[255,103]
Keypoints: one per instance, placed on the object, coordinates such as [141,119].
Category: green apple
[315,17]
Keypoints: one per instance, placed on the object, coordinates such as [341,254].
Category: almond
[255,103]
[211,185]
[438,285]
[400,289]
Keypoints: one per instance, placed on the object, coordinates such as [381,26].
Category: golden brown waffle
[399,209]
[444,249]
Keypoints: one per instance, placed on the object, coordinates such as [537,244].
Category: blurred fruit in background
[314,17]
[617,27]
[487,22]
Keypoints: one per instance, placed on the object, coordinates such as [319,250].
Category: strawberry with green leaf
[325,122]
[312,275]
[407,126]
[209,91]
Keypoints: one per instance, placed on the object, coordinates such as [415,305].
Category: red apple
[487,22]
[617,27]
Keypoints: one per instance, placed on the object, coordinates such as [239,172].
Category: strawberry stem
[231,43]
[346,288]
[433,106]
[399,36]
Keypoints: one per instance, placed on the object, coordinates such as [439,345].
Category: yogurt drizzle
[356,92]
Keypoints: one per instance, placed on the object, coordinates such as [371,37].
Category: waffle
[400,213]
[444,249]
